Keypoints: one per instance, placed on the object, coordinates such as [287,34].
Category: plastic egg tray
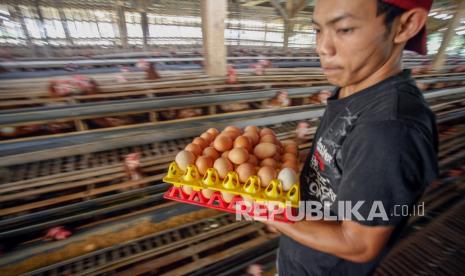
[272,196]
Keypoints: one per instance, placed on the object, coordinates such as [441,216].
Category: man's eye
[345,30]
[317,31]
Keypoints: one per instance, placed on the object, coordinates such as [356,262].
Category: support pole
[144,22]
[213,17]
[123,32]
[440,58]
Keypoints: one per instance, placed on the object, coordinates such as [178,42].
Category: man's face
[352,40]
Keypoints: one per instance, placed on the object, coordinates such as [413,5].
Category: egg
[184,158]
[231,134]
[207,193]
[266,131]
[207,137]
[289,157]
[238,155]
[290,164]
[211,152]
[264,150]
[244,171]
[292,148]
[201,142]
[243,142]
[288,178]
[203,163]
[269,162]
[194,148]
[233,128]
[187,189]
[251,129]
[223,166]
[266,174]
[227,197]
[268,138]
[277,157]
[254,137]
[223,143]
[213,131]
[225,154]
[252,160]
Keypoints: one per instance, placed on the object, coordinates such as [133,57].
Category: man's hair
[390,11]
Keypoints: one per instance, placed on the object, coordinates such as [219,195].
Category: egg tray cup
[273,197]
[216,201]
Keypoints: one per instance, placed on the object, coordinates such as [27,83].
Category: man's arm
[348,240]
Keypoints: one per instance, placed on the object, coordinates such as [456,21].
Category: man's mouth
[331,69]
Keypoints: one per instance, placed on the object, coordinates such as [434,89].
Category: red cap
[418,42]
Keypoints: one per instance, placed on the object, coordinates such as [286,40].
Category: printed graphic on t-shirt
[323,168]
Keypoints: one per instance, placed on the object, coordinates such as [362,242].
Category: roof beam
[254,3]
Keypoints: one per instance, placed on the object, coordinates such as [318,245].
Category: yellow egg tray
[252,188]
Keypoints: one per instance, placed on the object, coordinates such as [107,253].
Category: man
[376,143]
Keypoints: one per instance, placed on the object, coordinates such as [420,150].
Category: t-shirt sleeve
[386,165]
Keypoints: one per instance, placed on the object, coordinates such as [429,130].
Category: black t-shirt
[377,146]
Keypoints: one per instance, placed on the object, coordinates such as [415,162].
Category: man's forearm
[324,236]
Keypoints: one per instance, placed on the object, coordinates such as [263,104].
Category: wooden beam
[297,8]
[254,3]
[213,17]
[18,15]
[63,20]
[440,57]
[280,9]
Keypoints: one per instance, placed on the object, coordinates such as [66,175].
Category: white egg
[288,178]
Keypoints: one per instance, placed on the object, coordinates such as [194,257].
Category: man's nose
[325,45]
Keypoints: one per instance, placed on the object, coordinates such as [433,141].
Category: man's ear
[409,24]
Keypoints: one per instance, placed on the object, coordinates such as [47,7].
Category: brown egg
[291,165]
[213,131]
[223,166]
[230,133]
[291,148]
[203,163]
[252,160]
[212,152]
[264,150]
[251,129]
[227,197]
[184,158]
[232,128]
[243,142]
[277,157]
[225,154]
[268,138]
[266,131]
[244,171]
[187,189]
[207,137]
[201,142]
[266,174]
[207,193]
[254,137]
[269,162]
[194,148]
[238,155]
[223,143]
[289,157]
